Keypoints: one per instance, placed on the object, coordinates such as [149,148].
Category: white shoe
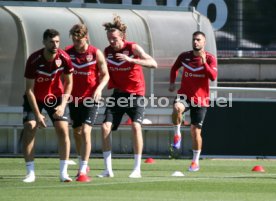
[106,173]
[65,178]
[29,178]
[135,174]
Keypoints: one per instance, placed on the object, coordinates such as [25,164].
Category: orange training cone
[149,160]
[128,121]
[258,168]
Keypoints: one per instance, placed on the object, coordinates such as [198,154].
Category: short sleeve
[68,67]
[29,69]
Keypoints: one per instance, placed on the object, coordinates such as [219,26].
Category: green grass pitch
[217,180]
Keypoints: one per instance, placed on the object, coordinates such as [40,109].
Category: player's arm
[210,66]
[68,85]
[174,73]
[40,119]
[144,59]
[104,76]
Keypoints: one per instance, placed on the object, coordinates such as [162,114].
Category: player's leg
[106,130]
[76,118]
[28,139]
[138,149]
[177,114]
[85,151]
[197,119]
[196,146]
[77,139]
[62,131]
[106,143]
[89,115]
[113,117]
[28,149]
[136,113]
[106,148]
[86,144]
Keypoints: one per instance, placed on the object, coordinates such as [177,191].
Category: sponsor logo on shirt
[119,69]
[194,75]
[109,56]
[81,73]
[72,56]
[46,79]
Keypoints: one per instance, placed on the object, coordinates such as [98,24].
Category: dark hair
[51,33]
[199,33]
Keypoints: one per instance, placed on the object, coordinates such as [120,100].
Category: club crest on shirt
[126,52]
[89,57]
[58,62]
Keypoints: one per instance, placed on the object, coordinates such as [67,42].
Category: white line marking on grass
[135,181]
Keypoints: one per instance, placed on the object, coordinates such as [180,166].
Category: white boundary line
[135,181]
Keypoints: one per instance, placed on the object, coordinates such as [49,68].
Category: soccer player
[199,66]
[90,76]
[48,77]
[124,61]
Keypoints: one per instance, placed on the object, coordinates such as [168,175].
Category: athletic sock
[83,167]
[107,160]
[196,155]
[30,167]
[177,129]
[63,165]
[137,162]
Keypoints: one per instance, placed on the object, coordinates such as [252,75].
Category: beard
[52,51]
[197,49]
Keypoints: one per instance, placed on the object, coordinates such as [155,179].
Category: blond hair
[79,30]
[117,24]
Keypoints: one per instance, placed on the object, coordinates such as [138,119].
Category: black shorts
[28,114]
[119,104]
[83,114]
[197,113]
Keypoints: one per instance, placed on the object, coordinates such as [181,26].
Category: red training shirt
[125,76]
[47,73]
[195,76]
[86,73]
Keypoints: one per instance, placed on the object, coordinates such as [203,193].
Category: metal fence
[243,28]
[249,29]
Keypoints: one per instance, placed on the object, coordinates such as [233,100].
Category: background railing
[243,28]
[245,117]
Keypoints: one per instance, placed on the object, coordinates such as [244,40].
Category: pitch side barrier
[245,128]
[230,128]
[157,119]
